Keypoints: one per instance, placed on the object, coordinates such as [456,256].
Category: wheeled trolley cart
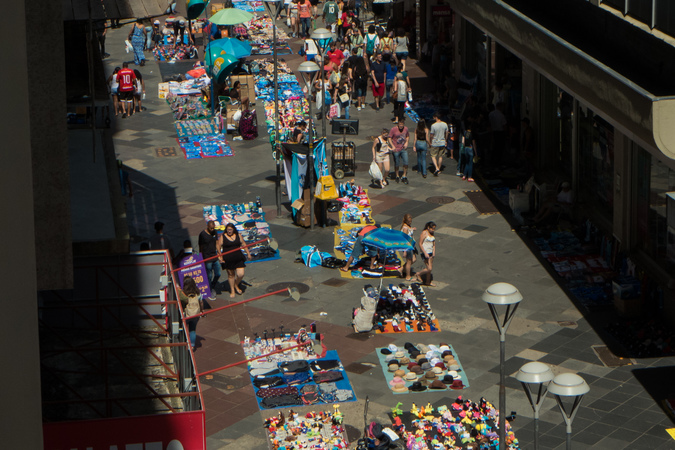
[343,159]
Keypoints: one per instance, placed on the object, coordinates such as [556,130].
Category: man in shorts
[439,135]
[400,136]
[127,87]
[378,74]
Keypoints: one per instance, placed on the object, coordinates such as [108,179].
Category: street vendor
[359,248]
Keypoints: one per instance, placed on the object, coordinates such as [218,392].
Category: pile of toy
[321,430]
[463,424]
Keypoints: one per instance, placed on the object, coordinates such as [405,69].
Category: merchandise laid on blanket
[307,375]
[463,424]
[167,50]
[249,219]
[201,139]
[322,430]
[416,368]
[293,106]
[259,30]
[395,309]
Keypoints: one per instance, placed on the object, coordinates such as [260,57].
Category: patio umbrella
[388,239]
[231,16]
[231,46]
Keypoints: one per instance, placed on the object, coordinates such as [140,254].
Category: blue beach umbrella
[388,239]
[231,46]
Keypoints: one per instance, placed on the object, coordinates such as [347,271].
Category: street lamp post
[503,294]
[322,39]
[568,385]
[309,70]
[533,376]
[273,7]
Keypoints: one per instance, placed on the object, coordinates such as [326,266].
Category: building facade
[596,84]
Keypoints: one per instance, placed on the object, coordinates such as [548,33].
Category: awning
[113,9]
[621,72]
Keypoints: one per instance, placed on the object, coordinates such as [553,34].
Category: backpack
[248,125]
[192,306]
[370,45]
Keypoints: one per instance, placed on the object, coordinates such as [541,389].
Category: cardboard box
[163,89]
[230,123]
[247,83]
[215,7]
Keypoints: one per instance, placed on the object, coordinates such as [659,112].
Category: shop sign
[178,431]
[441,11]
[197,272]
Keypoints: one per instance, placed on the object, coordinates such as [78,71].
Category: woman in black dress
[233,262]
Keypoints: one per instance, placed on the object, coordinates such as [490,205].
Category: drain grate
[163,152]
[609,359]
[301,287]
[440,200]
[567,323]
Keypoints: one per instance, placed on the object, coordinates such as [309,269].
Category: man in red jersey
[126,78]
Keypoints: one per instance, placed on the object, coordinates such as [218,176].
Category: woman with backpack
[191,300]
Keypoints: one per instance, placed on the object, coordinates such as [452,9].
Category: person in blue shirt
[390,73]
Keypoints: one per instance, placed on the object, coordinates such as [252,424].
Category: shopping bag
[128,46]
[334,111]
[375,171]
[325,188]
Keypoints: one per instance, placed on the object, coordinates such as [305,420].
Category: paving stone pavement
[473,251]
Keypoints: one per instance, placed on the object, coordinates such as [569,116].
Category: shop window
[655,209]
[596,163]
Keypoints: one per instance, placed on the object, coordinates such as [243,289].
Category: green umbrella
[231,16]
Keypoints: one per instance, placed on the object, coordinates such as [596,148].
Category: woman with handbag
[400,95]
[138,36]
[381,148]
[343,94]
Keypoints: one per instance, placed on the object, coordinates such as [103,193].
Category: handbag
[344,98]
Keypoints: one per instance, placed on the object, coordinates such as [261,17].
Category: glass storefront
[596,163]
[655,205]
